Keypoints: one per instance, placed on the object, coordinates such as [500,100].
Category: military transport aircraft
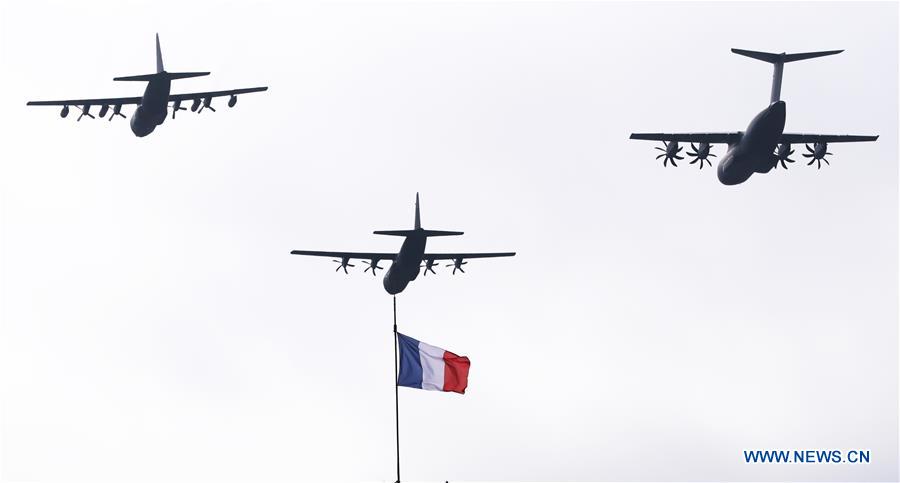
[405,265]
[152,107]
[764,144]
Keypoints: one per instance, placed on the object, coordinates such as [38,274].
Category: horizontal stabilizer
[184,75]
[144,77]
[778,61]
[161,75]
[419,232]
[441,233]
[782,58]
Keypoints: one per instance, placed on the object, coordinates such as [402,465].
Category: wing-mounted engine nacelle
[195,105]
[459,262]
[64,112]
[701,154]
[817,154]
[232,101]
[670,153]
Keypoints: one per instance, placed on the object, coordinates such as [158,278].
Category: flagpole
[396,391]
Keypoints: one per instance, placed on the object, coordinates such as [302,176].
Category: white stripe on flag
[432,359]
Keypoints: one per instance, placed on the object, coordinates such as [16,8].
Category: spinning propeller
[373,265]
[458,263]
[85,111]
[117,111]
[670,153]
[817,154]
[176,106]
[429,267]
[700,154]
[781,155]
[207,104]
[344,263]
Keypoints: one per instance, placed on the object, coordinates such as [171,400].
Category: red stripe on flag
[456,372]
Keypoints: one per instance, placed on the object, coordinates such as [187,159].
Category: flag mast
[396,392]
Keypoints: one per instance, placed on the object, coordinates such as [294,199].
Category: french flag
[424,366]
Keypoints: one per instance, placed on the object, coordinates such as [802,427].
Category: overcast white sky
[654,324]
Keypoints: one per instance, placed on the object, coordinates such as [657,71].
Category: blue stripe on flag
[410,364]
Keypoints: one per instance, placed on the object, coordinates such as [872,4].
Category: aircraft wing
[89,102]
[111,101]
[700,137]
[357,255]
[455,256]
[204,95]
[824,138]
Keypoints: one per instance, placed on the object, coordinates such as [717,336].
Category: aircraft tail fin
[778,60]
[160,71]
[159,62]
[418,223]
[418,230]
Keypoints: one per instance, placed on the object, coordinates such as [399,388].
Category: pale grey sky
[653,325]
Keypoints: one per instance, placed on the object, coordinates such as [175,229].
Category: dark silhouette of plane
[152,107]
[764,144]
[405,264]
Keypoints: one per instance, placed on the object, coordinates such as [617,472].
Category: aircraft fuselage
[153,108]
[753,153]
[405,268]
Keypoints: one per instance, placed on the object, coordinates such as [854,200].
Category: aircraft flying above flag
[405,264]
[764,145]
[152,107]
